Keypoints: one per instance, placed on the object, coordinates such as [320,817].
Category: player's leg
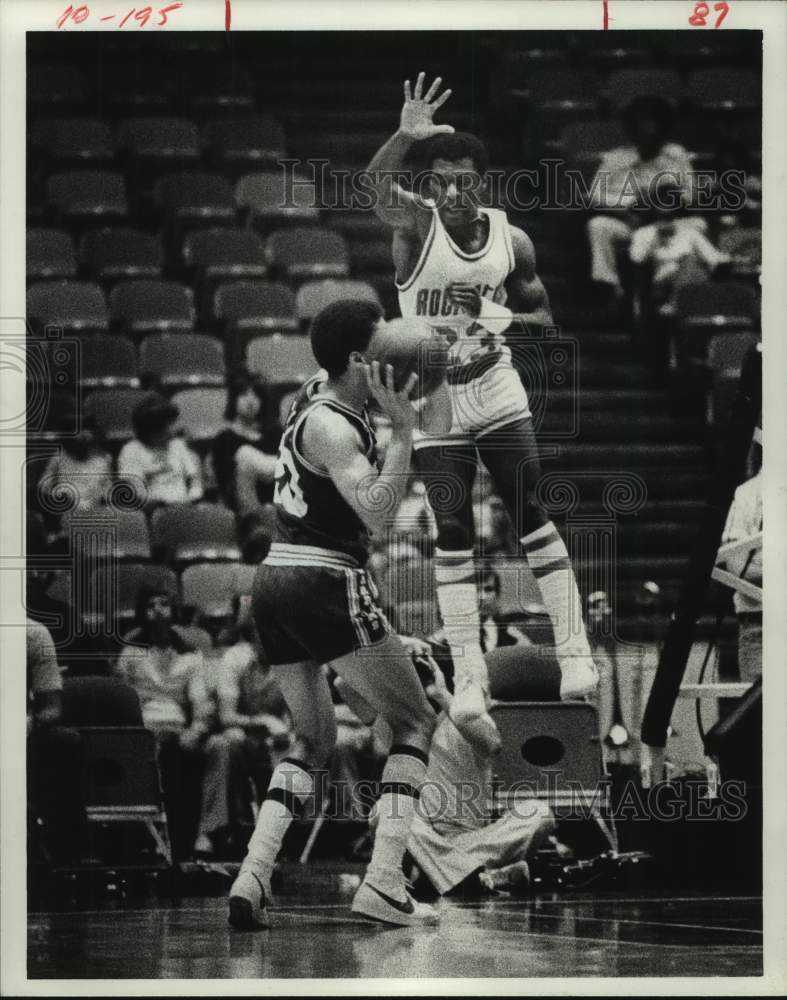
[306,692]
[511,456]
[384,676]
[449,473]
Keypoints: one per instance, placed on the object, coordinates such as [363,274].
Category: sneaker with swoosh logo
[374,904]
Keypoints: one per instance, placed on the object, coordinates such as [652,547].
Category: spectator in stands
[53,752]
[244,453]
[672,251]
[496,630]
[251,707]
[157,462]
[622,185]
[81,468]
[196,763]
[743,521]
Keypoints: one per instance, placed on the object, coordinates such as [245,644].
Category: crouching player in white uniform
[454,833]
[468,272]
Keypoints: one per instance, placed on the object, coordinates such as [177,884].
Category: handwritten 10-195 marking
[141,16]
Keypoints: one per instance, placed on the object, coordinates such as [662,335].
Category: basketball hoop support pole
[729,474]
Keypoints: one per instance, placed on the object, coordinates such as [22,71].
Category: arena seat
[113,594]
[183,359]
[229,87]
[195,198]
[111,409]
[725,89]
[592,137]
[626,85]
[308,253]
[201,412]
[269,201]
[49,254]
[100,701]
[160,138]
[185,533]
[117,253]
[241,143]
[222,254]
[108,360]
[141,306]
[55,85]
[210,587]
[133,537]
[82,196]
[70,305]
[712,305]
[563,88]
[255,305]
[313,296]
[724,359]
[80,140]
[744,245]
[281,360]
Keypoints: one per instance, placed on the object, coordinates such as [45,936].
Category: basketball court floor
[314,935]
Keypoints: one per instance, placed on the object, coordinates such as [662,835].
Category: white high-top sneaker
[248,898]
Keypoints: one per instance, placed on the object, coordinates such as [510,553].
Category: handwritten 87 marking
[141,16]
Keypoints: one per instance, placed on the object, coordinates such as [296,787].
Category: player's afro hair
[456,146]
[341,328]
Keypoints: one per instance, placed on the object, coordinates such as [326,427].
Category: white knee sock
[290,786]
[457,596]
[548,560]
[403,775]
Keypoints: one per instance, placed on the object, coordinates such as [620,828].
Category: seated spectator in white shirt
[82,468]
[623,183]
[159,464]
[673,250]
[196,763]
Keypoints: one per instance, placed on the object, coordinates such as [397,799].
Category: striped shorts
[315,604]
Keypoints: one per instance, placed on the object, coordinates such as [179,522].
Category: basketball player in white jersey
[468,272]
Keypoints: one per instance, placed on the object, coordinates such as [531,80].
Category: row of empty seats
[138,307]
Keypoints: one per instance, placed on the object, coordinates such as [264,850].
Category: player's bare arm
[396,206]
[372,495]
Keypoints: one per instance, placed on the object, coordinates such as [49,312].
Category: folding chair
[563,88]
[133,537]
[114,254]
[255,306]
[725,89]
[230,87]
[123,784]
[108,360]
[724,358]
[552,752]
[308,253]
[69,305]
[197,199]
[150,305]
[50,254]
[56,85]
[210,587]
[183,359]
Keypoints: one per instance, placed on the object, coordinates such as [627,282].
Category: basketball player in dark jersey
[469,273]
[314,604]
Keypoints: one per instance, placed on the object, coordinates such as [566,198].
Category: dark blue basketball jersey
[310,509]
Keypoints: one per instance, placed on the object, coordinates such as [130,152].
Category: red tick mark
[109,17]
[605,4]
[227,14]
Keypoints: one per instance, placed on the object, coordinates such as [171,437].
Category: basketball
[410,345]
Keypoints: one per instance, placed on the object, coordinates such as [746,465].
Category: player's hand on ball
[417,112]
[466,296]
[397,406]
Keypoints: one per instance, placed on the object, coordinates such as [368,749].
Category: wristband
[494,317]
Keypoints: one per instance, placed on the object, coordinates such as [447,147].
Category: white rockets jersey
[442,262]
